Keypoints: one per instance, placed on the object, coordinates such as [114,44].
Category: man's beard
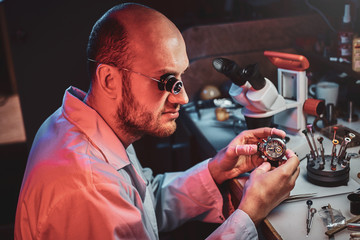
[135,120]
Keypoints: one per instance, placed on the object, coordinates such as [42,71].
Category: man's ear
[108,78]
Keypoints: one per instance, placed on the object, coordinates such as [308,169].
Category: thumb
[289,153]
[247,149]
[263,168]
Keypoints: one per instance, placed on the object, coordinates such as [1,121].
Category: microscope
[287,109]
[265,106]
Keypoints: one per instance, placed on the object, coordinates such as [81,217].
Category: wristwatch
[273,149]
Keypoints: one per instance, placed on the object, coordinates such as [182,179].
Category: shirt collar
[94,127]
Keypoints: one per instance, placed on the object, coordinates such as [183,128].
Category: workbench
[288,220]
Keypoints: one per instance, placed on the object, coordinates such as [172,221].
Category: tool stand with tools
[328,170]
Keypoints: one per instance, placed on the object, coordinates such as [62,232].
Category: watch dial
[275,148]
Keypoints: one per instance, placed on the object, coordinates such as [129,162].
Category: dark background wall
[48,41]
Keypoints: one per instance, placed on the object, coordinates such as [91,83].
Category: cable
[321,14]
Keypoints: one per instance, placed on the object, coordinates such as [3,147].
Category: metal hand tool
[310,129]
[308,140]
[308,227]
[335,129]
[322,150]
[343,148]
[308,203]
[333,154]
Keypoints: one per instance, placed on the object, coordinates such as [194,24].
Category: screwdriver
[308,203]
[333,154]
[308,227]
[310,129]
[322,164]
[312,152]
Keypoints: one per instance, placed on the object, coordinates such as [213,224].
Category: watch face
[275,148]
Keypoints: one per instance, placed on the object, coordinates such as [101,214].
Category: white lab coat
[80,183]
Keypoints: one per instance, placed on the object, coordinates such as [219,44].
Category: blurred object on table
[210,92]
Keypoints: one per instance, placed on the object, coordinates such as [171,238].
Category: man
[83,180]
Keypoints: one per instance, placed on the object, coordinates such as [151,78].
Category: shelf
[319,61]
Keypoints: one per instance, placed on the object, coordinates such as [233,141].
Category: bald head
[133,45]
[125,32]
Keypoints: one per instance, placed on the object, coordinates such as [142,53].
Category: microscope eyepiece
[254,76]
[230,69]
[238,75]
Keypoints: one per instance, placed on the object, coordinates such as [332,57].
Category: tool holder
[323,173]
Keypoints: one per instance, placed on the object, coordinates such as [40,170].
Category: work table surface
[289,218]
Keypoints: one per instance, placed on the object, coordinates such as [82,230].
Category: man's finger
[265,132]
[264,167]
[292,163]
[289,153]
[246,149]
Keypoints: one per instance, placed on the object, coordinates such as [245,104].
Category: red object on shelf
[288,61]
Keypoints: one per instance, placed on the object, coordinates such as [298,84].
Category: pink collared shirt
[80,183]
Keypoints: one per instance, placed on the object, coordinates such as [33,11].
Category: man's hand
[266,189]
[240,155]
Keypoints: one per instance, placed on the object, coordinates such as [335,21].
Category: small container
[354,203]
[345,36]
[356,54]
[221,114]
